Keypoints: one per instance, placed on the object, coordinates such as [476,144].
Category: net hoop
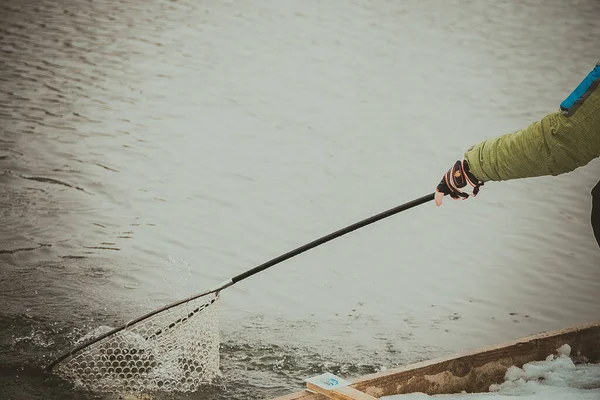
[175,348]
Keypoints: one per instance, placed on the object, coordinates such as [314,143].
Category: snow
[556,378]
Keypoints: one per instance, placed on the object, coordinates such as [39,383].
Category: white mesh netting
[174,350]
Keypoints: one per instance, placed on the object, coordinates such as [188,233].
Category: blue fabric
[581,89]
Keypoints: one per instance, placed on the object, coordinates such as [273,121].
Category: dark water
[150,150]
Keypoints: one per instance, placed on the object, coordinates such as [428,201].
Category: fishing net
[176,349]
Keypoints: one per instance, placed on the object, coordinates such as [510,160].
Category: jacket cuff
[473,158]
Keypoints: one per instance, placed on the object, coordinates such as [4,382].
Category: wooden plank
[473,371]
[344,393]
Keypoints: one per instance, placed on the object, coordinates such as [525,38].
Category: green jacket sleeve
[556,144]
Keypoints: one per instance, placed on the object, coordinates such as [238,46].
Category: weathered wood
[474,371]
[343,393]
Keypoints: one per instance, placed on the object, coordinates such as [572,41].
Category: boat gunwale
[476,369]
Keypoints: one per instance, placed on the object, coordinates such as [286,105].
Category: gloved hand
[453,182]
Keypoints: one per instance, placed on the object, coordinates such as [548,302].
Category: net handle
[333,235]
[255,270]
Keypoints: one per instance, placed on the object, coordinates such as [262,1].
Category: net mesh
[174,350]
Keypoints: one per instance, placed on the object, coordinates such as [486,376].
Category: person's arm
[552,146]
[558,143]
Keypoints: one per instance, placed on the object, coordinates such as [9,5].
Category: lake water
[150,150]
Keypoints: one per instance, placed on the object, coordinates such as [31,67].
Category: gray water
[150,150]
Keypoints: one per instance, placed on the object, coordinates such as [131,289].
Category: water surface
[150,150]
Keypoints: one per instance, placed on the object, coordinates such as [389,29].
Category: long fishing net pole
[176,346]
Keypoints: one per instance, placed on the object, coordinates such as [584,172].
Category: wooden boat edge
[474,370]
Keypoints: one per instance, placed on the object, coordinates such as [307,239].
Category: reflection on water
[150,150]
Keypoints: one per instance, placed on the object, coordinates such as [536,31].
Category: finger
[439,196]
